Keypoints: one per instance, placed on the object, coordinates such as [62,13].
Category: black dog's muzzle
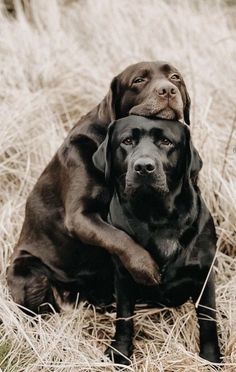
[144,166]
[145,173]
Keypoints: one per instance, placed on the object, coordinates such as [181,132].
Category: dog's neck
[151,206]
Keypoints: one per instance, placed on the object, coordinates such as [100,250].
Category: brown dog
[65,241]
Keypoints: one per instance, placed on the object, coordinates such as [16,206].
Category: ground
[56,62]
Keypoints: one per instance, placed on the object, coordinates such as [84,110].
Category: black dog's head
[143,155]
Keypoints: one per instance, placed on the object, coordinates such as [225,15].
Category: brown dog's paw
[119,353]
[143,269]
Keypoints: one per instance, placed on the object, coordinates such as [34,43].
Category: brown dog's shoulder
[77,148]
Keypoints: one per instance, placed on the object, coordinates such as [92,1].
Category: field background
[56,62]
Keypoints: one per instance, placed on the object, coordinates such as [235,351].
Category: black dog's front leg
[209,346]
[122,346]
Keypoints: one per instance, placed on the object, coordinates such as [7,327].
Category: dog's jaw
[152,184]
[171,109]
[158,190]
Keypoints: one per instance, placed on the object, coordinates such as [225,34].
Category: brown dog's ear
[102,157]
[193,160]
[107,110]
[187,106]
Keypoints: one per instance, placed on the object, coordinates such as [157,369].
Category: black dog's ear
[193,159]
[102,157]
[108,108]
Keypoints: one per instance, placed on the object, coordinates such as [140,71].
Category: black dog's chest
[180,268]
[182,275]
[162,248]
[180,281]
[159,241]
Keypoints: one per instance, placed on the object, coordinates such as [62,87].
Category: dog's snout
[144,166]
[167,90]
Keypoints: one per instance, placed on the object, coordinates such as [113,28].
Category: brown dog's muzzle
[163,101]
[167,91]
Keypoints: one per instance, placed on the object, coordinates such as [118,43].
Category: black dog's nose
[144,166]
[167,90]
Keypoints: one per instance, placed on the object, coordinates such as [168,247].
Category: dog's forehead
[169,128]
[153,66]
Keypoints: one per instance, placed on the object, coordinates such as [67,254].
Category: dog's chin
[167,112]
[133,191]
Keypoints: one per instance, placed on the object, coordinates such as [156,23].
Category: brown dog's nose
[144,166]
[167,90]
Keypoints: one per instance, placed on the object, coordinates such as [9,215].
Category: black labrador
[148,164]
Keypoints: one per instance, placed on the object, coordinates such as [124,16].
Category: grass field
[56,61]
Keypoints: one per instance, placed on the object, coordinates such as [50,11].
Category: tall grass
[56,61]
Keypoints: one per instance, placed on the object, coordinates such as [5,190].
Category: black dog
[148,163]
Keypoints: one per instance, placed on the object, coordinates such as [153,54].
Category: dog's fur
[65,242]
[148,163]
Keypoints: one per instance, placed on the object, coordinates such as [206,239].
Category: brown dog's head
[150,89]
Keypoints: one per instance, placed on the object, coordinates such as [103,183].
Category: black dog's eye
[128,141]
[175,77]
[138,80]
[165,142]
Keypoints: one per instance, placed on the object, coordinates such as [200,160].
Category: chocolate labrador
[148,164]
[65,244]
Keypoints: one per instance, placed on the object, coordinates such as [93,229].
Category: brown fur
[65,242]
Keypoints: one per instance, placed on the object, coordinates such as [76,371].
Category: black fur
[149,164]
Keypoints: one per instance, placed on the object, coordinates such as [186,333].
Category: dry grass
[56,64]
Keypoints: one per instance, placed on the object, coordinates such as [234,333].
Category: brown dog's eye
[165,142]
[175,77]
[128,141]
[138,80]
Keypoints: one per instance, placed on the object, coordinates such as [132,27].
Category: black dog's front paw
[119,352]
[211,354]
